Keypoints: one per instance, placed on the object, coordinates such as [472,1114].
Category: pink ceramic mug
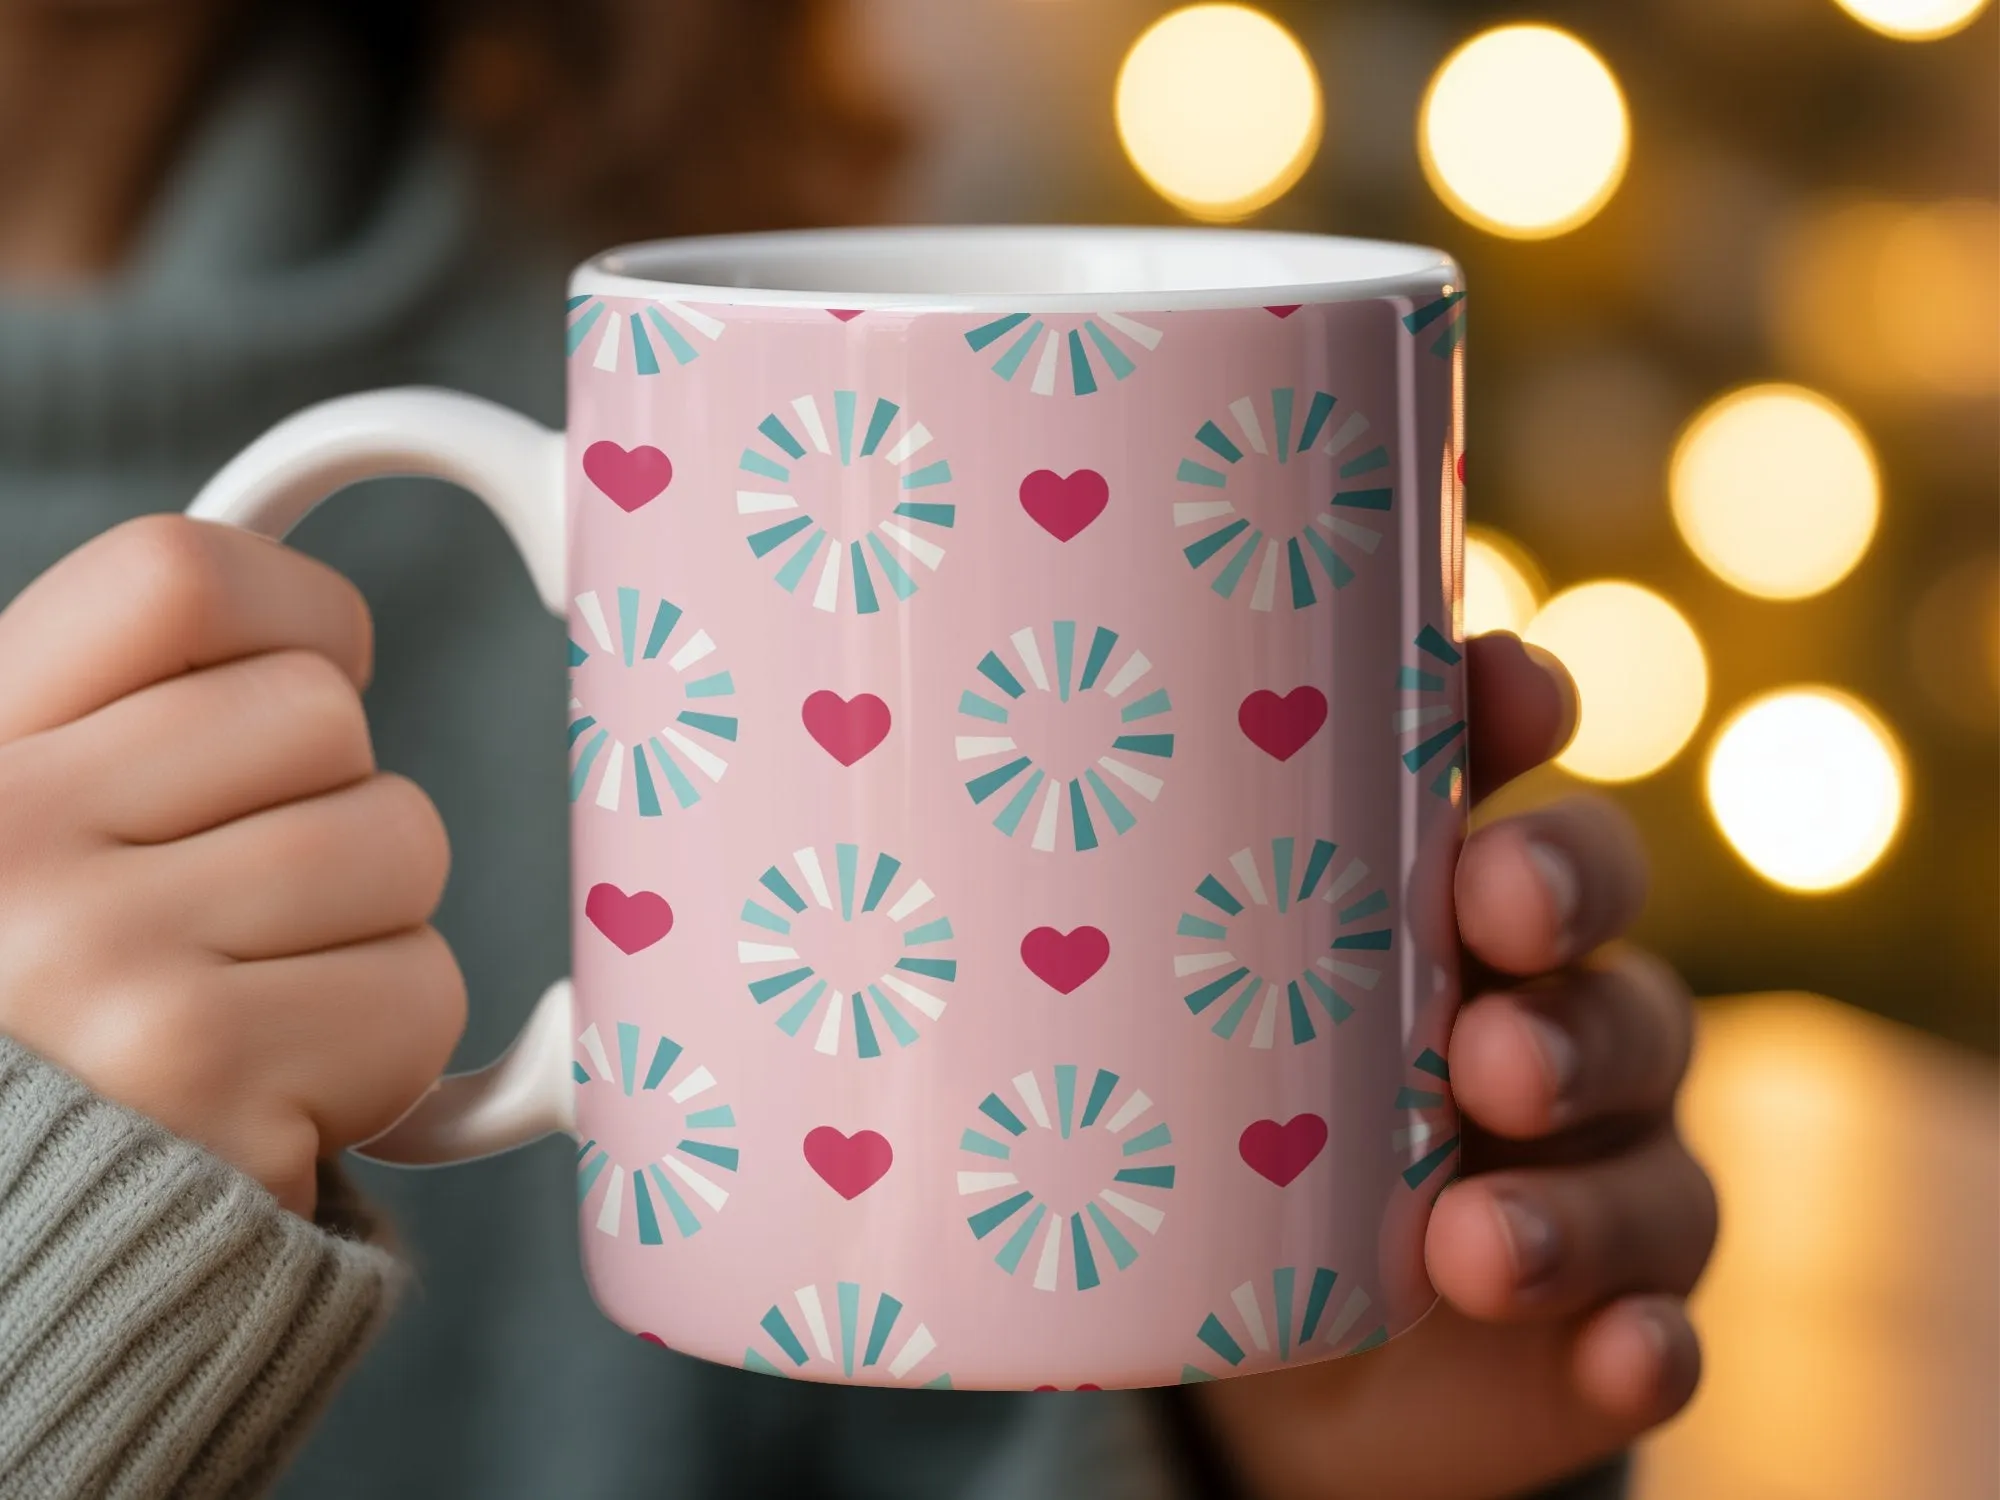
[1017,749]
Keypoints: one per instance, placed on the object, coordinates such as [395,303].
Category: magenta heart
[1064,960]
[1281,1152]
[845,314]
[1063,505]
[1284,310]
[632,922]
[846,728]
[849,1164]
[630,476]
[1278,726]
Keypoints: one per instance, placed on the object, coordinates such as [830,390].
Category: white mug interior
[1053,269]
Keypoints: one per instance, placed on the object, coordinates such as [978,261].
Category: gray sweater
[166,1328]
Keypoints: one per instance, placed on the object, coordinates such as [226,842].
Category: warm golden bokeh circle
[1775,489]
[1807,785]
[1524,132]
[1219,108]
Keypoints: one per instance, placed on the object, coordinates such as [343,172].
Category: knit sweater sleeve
[166,1328]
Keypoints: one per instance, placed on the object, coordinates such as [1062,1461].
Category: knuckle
[411,833]
[1684,1197]
[445,997]
[335,597]
[1655,990]
[161,1051]
[437,1013]
[1706,1202]
[314,695]
[170,564]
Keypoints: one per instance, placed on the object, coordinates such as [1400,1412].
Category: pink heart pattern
[846,728]
[1064,505]
[1281,727]
[1065,961]
[849,1164]
[633,923]
[631,477]
[1279,1153]
[1091,649]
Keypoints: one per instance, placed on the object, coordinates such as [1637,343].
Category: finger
[217,745]
[1541,889]
[355,1035]
[1522,705]
[359,863]
[1535,1243]
[160,596]
[1605,1040]
[1638,1361]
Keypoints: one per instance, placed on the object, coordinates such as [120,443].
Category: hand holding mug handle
[515,466]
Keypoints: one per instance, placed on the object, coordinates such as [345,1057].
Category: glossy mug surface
[1017,756]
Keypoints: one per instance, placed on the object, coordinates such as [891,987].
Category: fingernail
[1531,1242]
[1560,1056]
[1657,1329]
[1559,879]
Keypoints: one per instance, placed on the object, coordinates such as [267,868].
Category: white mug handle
[515,466]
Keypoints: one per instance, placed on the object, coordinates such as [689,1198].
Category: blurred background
[1734,380]
[1734,272]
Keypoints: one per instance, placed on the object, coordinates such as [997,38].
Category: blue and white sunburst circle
[1075,1247]
[650,636]
[1431,721]
[897,1005]
[1450,307]
[1299,1314]
[1427,1138]
[883,1348]
[905,542]
[645,1197]
[1056,811]
[1311,881]
[1321,541]
[651,335]
[1064,356]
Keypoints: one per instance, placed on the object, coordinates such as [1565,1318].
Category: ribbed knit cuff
[166,1328]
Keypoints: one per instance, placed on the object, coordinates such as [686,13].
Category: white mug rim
[1282,268]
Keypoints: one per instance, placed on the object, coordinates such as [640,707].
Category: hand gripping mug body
[1017,755]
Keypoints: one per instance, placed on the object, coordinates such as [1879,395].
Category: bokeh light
[1219,108]
[1914,20]
[1640,674]
[1807,785]
[1884,296]
[1503,586]
[1524,132]
[1775,489]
